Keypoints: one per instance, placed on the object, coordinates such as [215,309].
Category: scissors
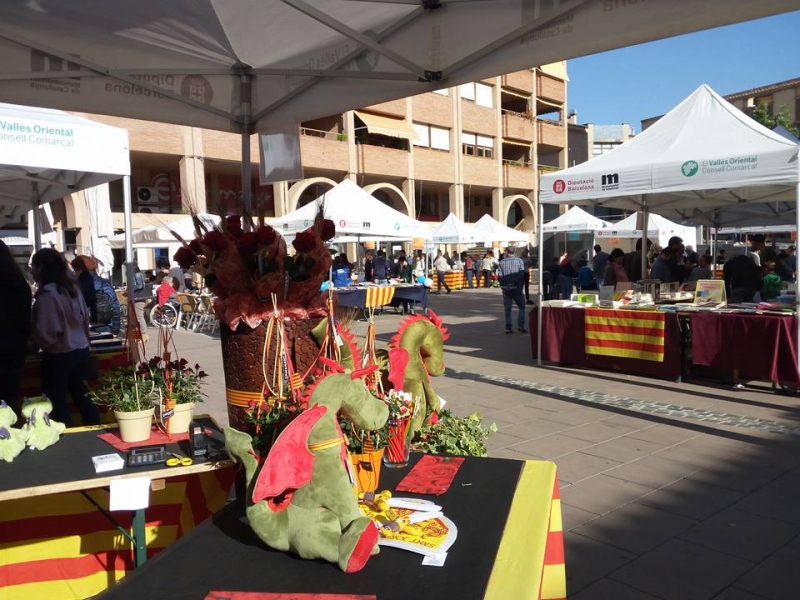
[178,460]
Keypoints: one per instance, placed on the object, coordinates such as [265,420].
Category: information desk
[57,541]
[373,296]
[563,342]
[505,512]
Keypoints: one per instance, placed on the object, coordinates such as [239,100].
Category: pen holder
[398,444]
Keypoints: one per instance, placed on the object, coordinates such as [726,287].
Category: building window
[479,93]
[436,138]
[442,92]
[473,144]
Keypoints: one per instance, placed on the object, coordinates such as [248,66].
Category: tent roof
[157,236]
[454,231]
[499,232]
[575,219]
[355,212]
[703,153]
[48,154]
[253,65]
[657,226]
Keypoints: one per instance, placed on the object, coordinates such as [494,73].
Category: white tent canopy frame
[158,236]
[658,228]
[575,220]
[454,231]
[703,153]
[355,212]
[252,66]
[498,232]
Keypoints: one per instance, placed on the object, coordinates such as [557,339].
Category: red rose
[328,230]
[248,243]
[434,418]
[195,247]
[266,235]
[305,241]
[185,257]
[215,240]
[233,225]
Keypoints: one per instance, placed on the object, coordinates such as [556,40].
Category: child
[771,286]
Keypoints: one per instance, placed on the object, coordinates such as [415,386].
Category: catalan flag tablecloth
[625,333]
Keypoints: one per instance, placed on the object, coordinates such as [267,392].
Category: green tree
[784,118]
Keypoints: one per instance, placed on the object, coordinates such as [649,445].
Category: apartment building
[473,149]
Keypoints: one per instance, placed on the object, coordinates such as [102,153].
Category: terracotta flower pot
[135,426]
[367,469]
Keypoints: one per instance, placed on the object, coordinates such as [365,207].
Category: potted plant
[181,383]
[131,394]
[366,450]
[448,434]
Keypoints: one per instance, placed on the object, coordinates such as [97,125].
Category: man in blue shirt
[511,272]
[599,264]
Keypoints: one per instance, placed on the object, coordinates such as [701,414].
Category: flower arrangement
[185,381]
[402,407]
[251,272]
[271,416]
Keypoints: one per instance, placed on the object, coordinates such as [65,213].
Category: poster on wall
[280,155]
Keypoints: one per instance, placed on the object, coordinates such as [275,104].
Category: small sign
[710,291]
[131,493]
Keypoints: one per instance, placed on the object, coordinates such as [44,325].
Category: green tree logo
[689,168]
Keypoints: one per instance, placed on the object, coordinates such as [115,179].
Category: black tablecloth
[224,554]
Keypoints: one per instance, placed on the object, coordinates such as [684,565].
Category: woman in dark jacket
[15,322]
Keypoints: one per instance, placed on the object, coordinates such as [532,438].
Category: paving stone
[577,416]
[693,499]
[777,578]
[601,494]
[733,593]
[652,471]
[510,454]
[577,466]
[520,414]
[599,431]
[667,435]
[678,570]
[778,500]
[606,589]
[572,517]
[552,446]
[624,449]
[636,528]
[743,534]
[589,560]
[503,440]
[743,478]
[531,430]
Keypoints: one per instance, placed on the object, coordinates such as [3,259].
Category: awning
[516,94]
[513,143]
[387,126]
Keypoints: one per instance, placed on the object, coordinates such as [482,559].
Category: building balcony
[394,108]
[479,171]
[478,119]
[433,165]
[517,126]
[551,134]
[551,88]
[544,170]
[519,80]
[323,149]
[519,175]
[378,160]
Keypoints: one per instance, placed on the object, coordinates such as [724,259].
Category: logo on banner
[197,88]
[47,63]
[610,182]
[689,168]
[397,226]
[366,225]
[559,186]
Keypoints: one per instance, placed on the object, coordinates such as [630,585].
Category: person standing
[487,266]
[15,322]
[380,269]
[599,264]
[511,273]
[60,321]
[441,266]
[528,263]
[756,246]
[469,269]
[790,263]
[615,272]
[368,267]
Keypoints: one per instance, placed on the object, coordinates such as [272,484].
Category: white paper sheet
[130,494]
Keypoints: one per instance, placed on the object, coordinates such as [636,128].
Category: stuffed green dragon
[301,499]
[42,431]
[416,353]
[12,441]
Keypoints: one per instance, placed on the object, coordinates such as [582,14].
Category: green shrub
[460,436]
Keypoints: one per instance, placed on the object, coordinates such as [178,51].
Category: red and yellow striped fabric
[625,333]
[378,296]
[61,546]
[530,561]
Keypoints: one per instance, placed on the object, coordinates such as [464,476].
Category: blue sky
[652,78]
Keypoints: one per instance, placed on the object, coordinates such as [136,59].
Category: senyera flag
[625,333]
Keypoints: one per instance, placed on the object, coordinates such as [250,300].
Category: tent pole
[126,205]
[797,231]
[247,167]
[645,227]
[37,225]
[539,291]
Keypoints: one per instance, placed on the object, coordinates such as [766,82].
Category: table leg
[139,540]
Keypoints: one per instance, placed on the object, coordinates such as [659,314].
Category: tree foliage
[783,117]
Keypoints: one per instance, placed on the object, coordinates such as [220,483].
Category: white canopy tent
[703,154]
[575,220]
[356,213]
[659,229]
[159,236]
[498,232]
[253,66]
[454,231]
[48,154]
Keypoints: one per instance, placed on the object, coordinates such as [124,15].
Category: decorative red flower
[305,241]
[266,235]
[248,243]
[233,225]
[185,257]
[215,240]
[434,418]
[328,230]
[195,247]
